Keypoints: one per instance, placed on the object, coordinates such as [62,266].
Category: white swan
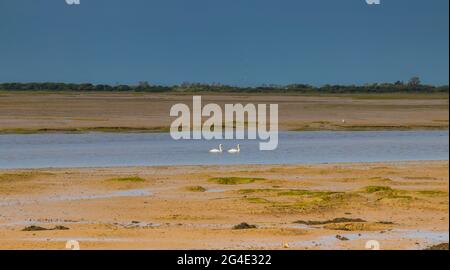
[220,150]
[235,150]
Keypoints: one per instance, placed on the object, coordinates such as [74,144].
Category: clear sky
[241,42]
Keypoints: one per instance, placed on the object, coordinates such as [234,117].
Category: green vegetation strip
[196,189]
[310,199]
[133,179]
[84,130]
[234,180]
[414,85]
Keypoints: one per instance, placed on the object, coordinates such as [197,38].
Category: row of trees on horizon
[413,85]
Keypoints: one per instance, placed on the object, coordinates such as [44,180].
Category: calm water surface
[118,149]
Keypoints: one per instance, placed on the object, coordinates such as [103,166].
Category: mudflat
[31,112]
[402,205]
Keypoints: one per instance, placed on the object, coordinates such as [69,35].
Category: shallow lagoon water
[148,149]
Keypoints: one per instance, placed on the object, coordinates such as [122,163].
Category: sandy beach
[402,205]
[37,112]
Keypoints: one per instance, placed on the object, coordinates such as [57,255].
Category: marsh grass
[257,200]
[380,179]
[374,189]
[234,180]
[349,127]
[128,179]
[356,226]
[419,178]
[289,192]
[384,192]
[196,189]
[294,199]
[261,190]
[331,221]
[306,200]
[432,193]
[318,194]
[11,177]
[85,130]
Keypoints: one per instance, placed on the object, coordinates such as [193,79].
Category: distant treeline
[413,86]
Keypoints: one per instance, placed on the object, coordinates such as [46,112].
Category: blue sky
[240,42]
